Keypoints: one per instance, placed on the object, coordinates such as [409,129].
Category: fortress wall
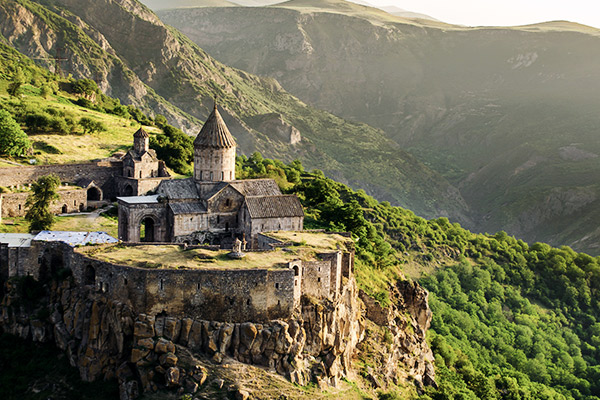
[335,277]
[215,295]
[13,204]
[316,278]
[101,172]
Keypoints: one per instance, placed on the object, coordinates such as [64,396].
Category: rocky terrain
[491,109]
[146,354]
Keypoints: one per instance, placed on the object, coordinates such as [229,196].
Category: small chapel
[211,207]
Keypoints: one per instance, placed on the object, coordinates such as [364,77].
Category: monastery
[210,207]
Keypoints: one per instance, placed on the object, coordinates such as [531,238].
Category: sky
[502,12]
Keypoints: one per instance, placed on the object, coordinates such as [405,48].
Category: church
[210,207]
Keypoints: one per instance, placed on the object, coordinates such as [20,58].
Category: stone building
[211,206]
[136,173]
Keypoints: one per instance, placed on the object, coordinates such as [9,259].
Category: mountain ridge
[478,105]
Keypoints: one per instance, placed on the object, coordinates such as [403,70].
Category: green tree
[90,125]
[86,87]
[43,193]
[13,141]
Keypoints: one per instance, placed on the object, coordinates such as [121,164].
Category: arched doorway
[65,209]
[147,230]
[128,191]
[94,194]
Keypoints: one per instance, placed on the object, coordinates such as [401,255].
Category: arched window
[222,175]
[211,176]
[128,190]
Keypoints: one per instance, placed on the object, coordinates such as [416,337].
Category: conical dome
[141,133]
[215,133]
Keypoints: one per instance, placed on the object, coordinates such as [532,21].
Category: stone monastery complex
[209,207]
[199,219]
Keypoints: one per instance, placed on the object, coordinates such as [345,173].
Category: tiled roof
[141,133]
[215,133]
[274,206]
[180,189]
[256,187]
[187,208]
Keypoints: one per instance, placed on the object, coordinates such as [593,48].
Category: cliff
[105,339]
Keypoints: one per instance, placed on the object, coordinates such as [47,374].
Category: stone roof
[215,133]
[187,208]
[274,206]
[138,157]
[141,133]
[256,187]
[178,189]
[85,183]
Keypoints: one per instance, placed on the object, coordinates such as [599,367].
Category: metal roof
[140,199]
[16,239]
[274,206]
[215,133]
[75,238]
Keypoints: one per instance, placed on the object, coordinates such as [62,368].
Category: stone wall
[75,200]
[218,295]
[136,187]
[214,165]
[316,277]
[101,172]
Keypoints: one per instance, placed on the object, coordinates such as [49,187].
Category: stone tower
[214,151]
[141,141]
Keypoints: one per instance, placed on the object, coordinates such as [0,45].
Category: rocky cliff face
[104,339]
[407,356]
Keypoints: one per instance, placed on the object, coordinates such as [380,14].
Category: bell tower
[214,151]
[141,141]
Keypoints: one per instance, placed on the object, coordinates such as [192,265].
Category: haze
[501,12]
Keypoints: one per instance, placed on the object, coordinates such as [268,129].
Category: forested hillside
[507,115]
[510,320]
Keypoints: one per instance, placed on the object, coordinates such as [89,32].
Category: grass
[323,241]
[175,257]
[76,223]
[79,147]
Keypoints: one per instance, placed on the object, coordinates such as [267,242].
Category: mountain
[161,4]
[507,115]
[140,60]
[405,14]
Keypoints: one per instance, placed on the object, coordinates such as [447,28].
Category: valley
[506,115]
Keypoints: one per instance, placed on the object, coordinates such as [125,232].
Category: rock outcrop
[406,322]
[104,339]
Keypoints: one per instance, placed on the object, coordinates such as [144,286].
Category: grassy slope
[479,106]
[354,153]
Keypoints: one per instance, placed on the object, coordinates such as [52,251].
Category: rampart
[235,294]
[101,172]
[70,200]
